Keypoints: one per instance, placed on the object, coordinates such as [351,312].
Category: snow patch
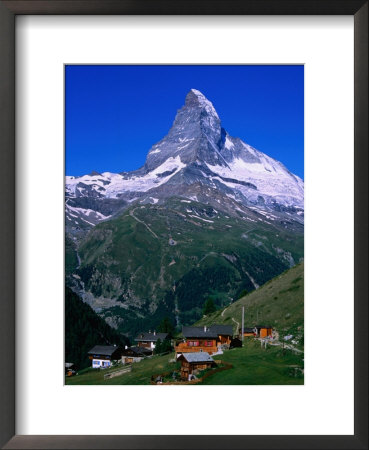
[112,184]
[85,212]
[272,180]
[228,144]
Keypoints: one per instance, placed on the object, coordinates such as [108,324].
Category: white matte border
[325,45]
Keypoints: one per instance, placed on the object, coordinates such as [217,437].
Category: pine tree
[209,306]
[158,347]
[166,326]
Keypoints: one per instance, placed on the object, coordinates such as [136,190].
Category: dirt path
[208,254]
[256,286]
[143,223]
[294,349]
[287,346]
[224,310]
[237,324]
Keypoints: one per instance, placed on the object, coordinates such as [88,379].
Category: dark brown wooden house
[135,354]
[148,340]
[204,339]
[192,363]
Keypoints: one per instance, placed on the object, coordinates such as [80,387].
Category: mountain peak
[196,98]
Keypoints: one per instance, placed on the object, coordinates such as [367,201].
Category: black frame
[8,10]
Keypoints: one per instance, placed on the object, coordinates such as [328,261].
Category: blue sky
[114,114]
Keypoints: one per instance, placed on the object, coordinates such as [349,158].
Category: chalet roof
[207,332]
[137,351]
[248,330]
[152,337]
[105,350]
[140,349]
[197,357]
[226,330]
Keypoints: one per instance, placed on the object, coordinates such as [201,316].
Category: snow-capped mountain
[206,214]
[196,158]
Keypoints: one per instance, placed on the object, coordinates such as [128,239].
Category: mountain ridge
[196,149]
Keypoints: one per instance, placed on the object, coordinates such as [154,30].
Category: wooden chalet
[204,339]
[248,332]
[135,354]
[102,356]
[191,363]
[263,331]
[148,340]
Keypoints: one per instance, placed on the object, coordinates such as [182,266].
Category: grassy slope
[251,366]
[141,372]
[279,302]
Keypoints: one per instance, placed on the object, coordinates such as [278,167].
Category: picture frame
[8,11]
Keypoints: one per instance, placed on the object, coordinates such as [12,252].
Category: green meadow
[252,365]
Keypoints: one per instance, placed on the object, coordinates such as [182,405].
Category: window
[193,343]
[208,343]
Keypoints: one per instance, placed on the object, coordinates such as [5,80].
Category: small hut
[263,330]
[191,363]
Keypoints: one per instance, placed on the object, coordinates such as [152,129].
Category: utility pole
[243,323]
